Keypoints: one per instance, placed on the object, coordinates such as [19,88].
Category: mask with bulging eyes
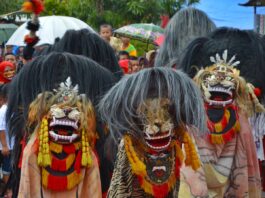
[218,84]
[64,124]
[158,125]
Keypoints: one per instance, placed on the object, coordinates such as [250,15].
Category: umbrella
[6,30]
[160,40]
[146,32]
[51,27]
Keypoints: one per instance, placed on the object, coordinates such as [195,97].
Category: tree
[8,6]
[116,13]
[170,7]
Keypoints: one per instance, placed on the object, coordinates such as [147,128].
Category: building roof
[257,3]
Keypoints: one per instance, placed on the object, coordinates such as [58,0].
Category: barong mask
[151,112]
[224,91]
[64,120]
[65,135]
[219,82]
[158,125]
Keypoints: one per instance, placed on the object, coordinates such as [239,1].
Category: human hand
[5,150]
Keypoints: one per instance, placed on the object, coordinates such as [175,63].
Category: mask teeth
[56,122]
[158,137]
[159,147]
[223,103]
[63,137]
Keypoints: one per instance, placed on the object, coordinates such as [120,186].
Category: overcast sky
[229,13]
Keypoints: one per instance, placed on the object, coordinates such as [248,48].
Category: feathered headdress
[244,92]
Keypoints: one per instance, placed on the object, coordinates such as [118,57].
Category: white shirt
[4,128]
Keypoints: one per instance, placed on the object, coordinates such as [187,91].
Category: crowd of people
[126,52]
[87,117]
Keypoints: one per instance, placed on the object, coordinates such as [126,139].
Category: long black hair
[89,44]
[183,27]
[246,45]
[45,73]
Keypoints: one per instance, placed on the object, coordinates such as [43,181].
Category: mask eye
[74,115]
[57,112]
[167,126]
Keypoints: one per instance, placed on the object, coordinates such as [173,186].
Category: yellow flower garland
[44,158]
[86,155]
[192,158]
[139,168]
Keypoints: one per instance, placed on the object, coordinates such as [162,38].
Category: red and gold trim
[139,169]
[217,134]
[60,183]
[62,164]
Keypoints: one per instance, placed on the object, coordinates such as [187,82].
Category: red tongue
[159,142]
[218,98]
[62,132]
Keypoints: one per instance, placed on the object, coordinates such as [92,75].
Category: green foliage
[141,47]
[170,7]
[53,7]
[115,12]
[7,6]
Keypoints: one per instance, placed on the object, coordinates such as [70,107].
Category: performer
[58,160]
[249,48]
[186,25]
[152,112]
[229,154]
[44,74]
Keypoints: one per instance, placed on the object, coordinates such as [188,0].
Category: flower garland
[86,155]
[139,169]
[192,158]
[44,158]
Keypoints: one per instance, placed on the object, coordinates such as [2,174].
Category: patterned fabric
[131,50]
[30,182]
[232,169]
[124,184]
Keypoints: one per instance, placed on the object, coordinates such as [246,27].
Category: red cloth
[124,64]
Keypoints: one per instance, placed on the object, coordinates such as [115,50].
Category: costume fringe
[192,158]
[44,158]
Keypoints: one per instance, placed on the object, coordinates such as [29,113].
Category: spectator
[124,64]
[127,46]
[134,65]
[143,62]
[123,55]
[105,33]
[6,145]
[7,72]
[11,58]
[150,56]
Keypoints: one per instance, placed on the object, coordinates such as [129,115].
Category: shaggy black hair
[45,73]
[89,44]
[246,45]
